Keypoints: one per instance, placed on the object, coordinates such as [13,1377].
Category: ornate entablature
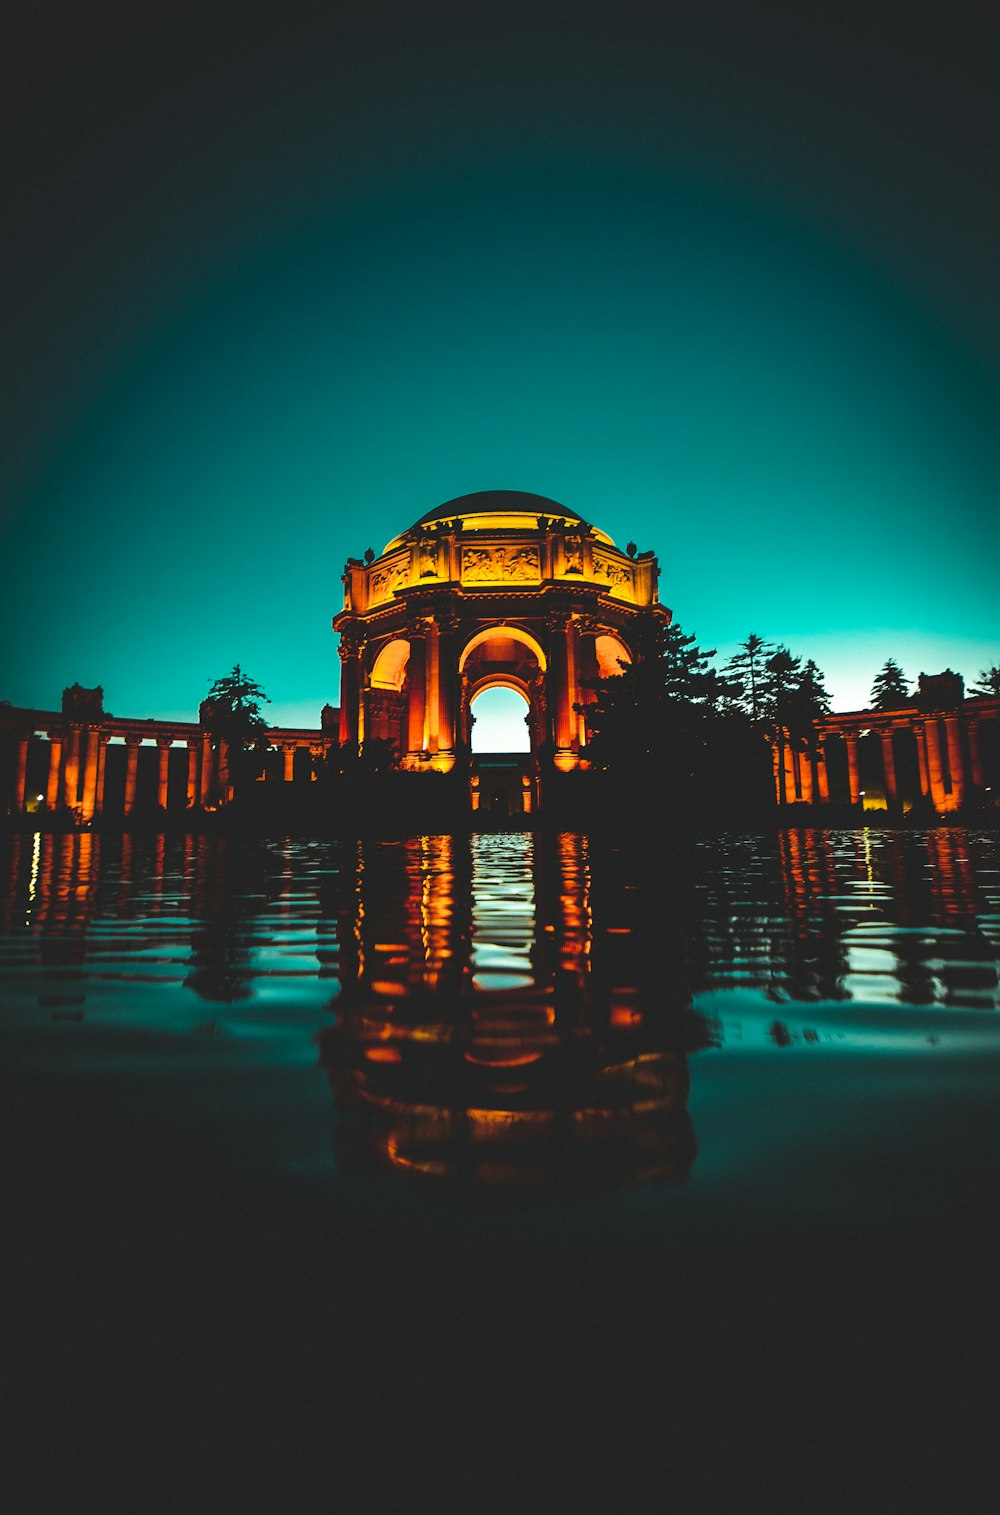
[498,588]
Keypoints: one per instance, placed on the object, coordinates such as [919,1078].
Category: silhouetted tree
[747,674]
[660,726]
[811,696]
[782,674]
[231,712]
[686,672]
[889,689]
[794,695]
[988,681]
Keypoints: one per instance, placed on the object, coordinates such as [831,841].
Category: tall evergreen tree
[811,696]
[988,681]
[747,672]
[231,712]
[646,723]
[889,689]
[686,673]
[782,676]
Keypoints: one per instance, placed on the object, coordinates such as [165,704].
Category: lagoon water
[324,1155]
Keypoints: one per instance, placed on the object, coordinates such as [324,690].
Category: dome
[498,509]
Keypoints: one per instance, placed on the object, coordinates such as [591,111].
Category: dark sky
[720,276]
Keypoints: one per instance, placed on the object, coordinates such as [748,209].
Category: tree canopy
[889,687]
[747,675]
[231,709]
[988,681]
[231,712]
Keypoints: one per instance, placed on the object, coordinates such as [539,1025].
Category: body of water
[322,1154]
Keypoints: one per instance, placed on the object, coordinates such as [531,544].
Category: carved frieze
[614,574]
[501,565]
[385,581]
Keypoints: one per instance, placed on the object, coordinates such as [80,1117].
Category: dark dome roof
[479,512]
[503,501]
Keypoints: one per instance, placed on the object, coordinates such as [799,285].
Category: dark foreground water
[461,1161]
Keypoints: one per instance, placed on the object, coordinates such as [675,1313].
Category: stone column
[193,743]
[463,716]
[416,671]
[288,748]
[205,789]
[132,743]
[935,772]
[822,775]
[447,687]
[853,779]
[920,738]
[562,725]
[789,758]
[102,755]
[71,772]
[222,771]
[55,764]
[162,794]
[956,761]
[351,643]
[804,760]
[587,631]
[432,688]
[975,754]
[21,775]
[88,802]
[889,769]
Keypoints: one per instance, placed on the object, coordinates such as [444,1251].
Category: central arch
[498,633]
[516,710]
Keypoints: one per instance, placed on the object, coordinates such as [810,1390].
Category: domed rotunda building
[496,589]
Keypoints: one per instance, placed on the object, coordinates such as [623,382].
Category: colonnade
[947,754]
[75,768]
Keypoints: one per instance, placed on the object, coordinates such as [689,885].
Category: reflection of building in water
[231,886]
[474,1041]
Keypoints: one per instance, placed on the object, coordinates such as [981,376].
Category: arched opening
[389,668]
[501,744]
[500,725]
[611,653]
[503,643]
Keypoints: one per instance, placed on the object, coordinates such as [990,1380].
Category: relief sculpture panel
[385,581]
[616,575]
[501,565]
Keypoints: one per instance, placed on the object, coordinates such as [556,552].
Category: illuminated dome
[495,590]
[498,510]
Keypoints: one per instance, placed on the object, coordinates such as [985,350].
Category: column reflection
[493,1035]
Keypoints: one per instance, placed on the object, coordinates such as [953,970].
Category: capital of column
[353,637]
[133,741]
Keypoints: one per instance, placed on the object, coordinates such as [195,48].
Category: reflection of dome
[491,1092]
[499,509]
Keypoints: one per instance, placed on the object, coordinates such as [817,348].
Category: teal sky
[684,335]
